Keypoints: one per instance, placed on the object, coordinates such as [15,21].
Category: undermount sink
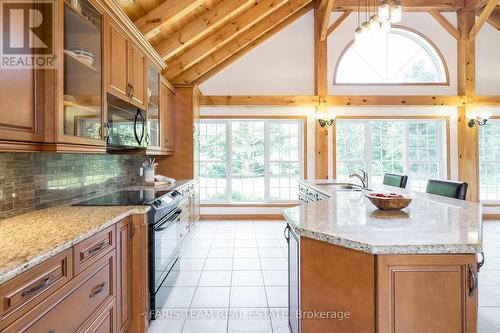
[340,186]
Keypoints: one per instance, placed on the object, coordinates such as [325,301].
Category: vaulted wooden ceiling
[199,38]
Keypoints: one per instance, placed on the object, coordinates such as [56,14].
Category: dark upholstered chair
[445,188]
[392,179]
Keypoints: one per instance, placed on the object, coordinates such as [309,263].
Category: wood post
[321,89]
[468,142]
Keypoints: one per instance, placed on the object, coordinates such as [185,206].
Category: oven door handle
[172,218]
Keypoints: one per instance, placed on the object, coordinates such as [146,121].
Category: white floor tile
[218,264]
[245,243]
[175,297]
[277,296]
[215,279]
[253,297]
[275,278]
[246,252]
[211,297]
[248,320]
[491,315]
[246,264]
[161,325]
[271,252]
[247,279]
[222,243]
[194,253]
[268,243]
[484,327]
[204,325]
[200,244]
[224,235]
[220,253]
[274,264]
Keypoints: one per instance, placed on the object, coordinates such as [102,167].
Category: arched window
[402,57]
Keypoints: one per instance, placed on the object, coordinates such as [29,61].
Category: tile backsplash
[34,181]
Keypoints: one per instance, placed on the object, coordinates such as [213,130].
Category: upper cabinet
[126,67]
[83,115]
[167,107]
[97,51]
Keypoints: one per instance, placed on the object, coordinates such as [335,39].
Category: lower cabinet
[89,288]
[293,280]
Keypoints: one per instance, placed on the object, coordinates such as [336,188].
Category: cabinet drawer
[28,289]
[104,322]
[90,250]
[75,309]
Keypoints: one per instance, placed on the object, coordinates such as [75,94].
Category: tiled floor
[489,280]
[232,278]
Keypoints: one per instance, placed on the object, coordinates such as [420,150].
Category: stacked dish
[84,56]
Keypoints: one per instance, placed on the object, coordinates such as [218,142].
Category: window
[412,147]
[489,161]
[401,57]
[244,160]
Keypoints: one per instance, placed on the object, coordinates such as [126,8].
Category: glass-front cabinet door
[82,82]
[153,112]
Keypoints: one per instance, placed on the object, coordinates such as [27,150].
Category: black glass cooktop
[124,198]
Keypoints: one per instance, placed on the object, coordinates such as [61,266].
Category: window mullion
[229,157]
[406,155]
[266,162]
[368,150]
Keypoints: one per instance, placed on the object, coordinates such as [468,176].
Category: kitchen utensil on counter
[390,201]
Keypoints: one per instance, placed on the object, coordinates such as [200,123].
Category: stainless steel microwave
[126,126]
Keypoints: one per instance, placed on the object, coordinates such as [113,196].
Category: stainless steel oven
[126,125]
[164,245]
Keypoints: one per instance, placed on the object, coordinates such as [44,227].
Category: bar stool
[395,180]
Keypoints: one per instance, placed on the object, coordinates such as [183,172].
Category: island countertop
[429,225]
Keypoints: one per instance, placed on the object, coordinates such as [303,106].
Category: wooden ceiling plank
[273,100]
[200,27]
[325,19]
[338,22]
[168,12]
[240,41]
[494,19]
[254,44]
[445,24]
[408,5]
[219,37]
[485,14]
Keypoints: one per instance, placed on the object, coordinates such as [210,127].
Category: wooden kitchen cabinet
[167,107]
[125,231]
[126,77]
[100,285]
[427,293]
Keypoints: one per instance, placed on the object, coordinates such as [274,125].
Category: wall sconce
[479,119]
[325,118]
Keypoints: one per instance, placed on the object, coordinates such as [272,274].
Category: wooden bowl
[388,203]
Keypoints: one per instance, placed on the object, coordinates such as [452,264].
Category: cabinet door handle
[132,91]
[96,248]
[37,288]
[128,90]
[473,276]
[286,232]
[97,290]
[132,230]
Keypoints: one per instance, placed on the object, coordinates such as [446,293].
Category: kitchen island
[354,268]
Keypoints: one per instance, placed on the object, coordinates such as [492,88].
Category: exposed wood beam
[251,46]
[165,14]
[408,5]
[260,100]
[325,19]
[216,39]
[494,19]
[200,27]
[468,140]
[475,4]
[487,100]
[485,14]
[347,100]
[445,24]
[390,100]
[338,22]
[321,89]
[240,41]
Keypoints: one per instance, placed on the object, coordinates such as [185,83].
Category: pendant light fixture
[379,23]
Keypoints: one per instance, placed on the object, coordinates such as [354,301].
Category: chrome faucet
[363,177]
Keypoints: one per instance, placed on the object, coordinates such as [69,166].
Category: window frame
[487,203]
[396,84]
[302,120]
[443,141]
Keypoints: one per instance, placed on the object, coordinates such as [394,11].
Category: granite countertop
[429,225]
[29,239]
